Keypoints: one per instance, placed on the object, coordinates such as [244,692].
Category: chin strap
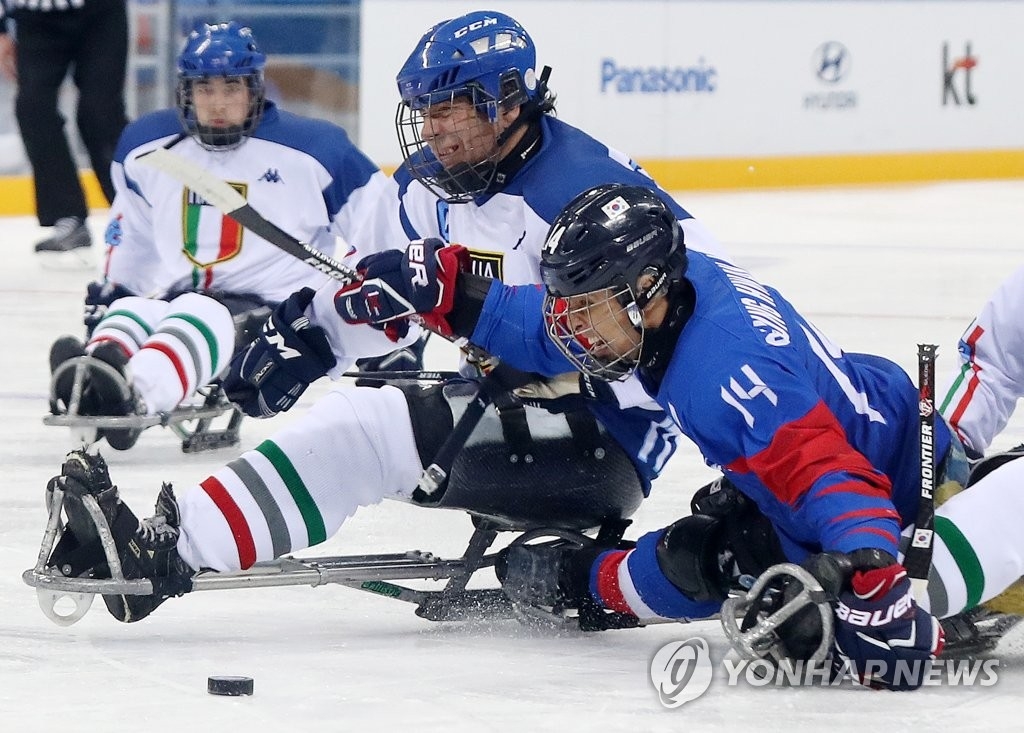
[531,109]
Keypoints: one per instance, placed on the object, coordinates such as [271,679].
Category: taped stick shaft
[918,558]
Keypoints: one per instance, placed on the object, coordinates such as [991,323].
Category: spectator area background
[705,93]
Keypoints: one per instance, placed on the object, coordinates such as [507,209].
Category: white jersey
[304,175]
[505,231]
[985,390]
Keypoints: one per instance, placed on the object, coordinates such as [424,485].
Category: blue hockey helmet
[485,57]
[221,50]
[614,247]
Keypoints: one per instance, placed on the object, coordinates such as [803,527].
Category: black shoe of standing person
[69,233]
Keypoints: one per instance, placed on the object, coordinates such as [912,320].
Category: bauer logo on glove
[877,617]
[398,285]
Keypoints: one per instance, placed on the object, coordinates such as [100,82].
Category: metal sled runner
[192,423]
[518,496]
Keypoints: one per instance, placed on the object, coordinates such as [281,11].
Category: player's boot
[63,354]
[145,549]
[557,576]
[113,394]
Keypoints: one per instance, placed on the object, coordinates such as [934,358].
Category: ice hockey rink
[878,269]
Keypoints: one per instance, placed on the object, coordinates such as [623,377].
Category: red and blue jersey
[825,442]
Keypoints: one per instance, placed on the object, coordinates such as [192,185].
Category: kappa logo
[272,176]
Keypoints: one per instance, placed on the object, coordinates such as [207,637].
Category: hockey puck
[230,686]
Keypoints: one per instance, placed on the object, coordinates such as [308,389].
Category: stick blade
[216,192]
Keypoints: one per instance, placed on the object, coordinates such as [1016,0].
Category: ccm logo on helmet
[877,618]
[477,25]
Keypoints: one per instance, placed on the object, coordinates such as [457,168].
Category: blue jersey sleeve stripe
[654,588]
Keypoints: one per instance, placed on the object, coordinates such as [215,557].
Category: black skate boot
[145,549]
[69,233]
[65,356]
[112,394]
[556,576]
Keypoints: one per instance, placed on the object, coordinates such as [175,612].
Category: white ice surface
[877,269]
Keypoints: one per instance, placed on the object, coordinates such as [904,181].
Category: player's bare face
[457,133]
[601,325]
[221,102]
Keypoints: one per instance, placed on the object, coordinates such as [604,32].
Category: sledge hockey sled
[560,489]
[191,422]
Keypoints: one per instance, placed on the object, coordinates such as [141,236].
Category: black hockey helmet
[606,239]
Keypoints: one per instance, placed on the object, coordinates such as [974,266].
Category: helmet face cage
[576,323]
[224,50]
[483,58]
[478,134]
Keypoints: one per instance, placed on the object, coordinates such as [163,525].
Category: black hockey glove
[881,630]
[271,373]
[396,285]
[98,297]
[565,393]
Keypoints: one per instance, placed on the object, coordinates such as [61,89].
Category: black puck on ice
[231,686]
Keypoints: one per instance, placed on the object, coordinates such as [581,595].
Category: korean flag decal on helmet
[616,207]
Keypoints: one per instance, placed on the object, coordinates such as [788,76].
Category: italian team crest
[209,236]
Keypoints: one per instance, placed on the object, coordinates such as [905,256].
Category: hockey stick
[231,203]
[410,375]
[918,557]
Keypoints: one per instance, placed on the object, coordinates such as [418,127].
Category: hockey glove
[564,393]
[271,373]
[396,285]
[98,297]
[881,630]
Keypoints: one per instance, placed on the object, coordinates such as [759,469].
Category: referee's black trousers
[92,43]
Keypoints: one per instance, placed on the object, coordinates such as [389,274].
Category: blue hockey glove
[880,625]
[98,297]
[271,373]
[396,285]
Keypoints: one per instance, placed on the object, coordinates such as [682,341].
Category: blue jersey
[825,442]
